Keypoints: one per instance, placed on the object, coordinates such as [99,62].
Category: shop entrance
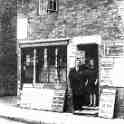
[89,97]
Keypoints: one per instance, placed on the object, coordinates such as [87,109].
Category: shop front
[43,74]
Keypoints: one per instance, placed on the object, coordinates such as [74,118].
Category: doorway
[90,97]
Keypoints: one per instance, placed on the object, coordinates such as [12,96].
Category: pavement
[10,110]
[9,121]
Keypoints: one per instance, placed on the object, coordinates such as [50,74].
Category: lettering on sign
[106,71]
[107,101]
[58,101]
[114,49]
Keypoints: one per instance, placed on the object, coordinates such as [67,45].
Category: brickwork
[86,18]
[8,47]
[74,18]
[39,25]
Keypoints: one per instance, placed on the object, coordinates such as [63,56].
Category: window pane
[62,64]
[52,6]
[27,66]
[42,7]
[39,64]
[51,56]
[42,68]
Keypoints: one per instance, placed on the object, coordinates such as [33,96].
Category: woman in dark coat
[92,82]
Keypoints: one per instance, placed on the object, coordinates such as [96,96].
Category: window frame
[41,9]
[54,9]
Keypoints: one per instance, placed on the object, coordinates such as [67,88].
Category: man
[77,83]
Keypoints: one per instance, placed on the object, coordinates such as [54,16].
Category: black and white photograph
[61,61]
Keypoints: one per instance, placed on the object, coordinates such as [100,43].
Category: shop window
[45,65]
[52,6]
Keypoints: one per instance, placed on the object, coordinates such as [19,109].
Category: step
[86,112]
[90,107]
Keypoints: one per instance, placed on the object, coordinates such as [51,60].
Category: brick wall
[39,25]
[74,18]
[86,18]
[8,47]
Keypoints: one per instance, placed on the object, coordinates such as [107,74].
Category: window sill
[51,10]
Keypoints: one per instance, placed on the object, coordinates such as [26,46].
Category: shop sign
[106,71]
[107,102]
[106,76]
[114,49]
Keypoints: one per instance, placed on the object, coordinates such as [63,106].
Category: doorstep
[88,111]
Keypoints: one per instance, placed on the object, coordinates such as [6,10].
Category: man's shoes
[78,108]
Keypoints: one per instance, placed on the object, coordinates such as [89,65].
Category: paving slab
[14,112]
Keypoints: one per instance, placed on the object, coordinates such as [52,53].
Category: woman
[92,82]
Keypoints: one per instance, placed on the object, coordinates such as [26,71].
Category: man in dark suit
[77,82]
